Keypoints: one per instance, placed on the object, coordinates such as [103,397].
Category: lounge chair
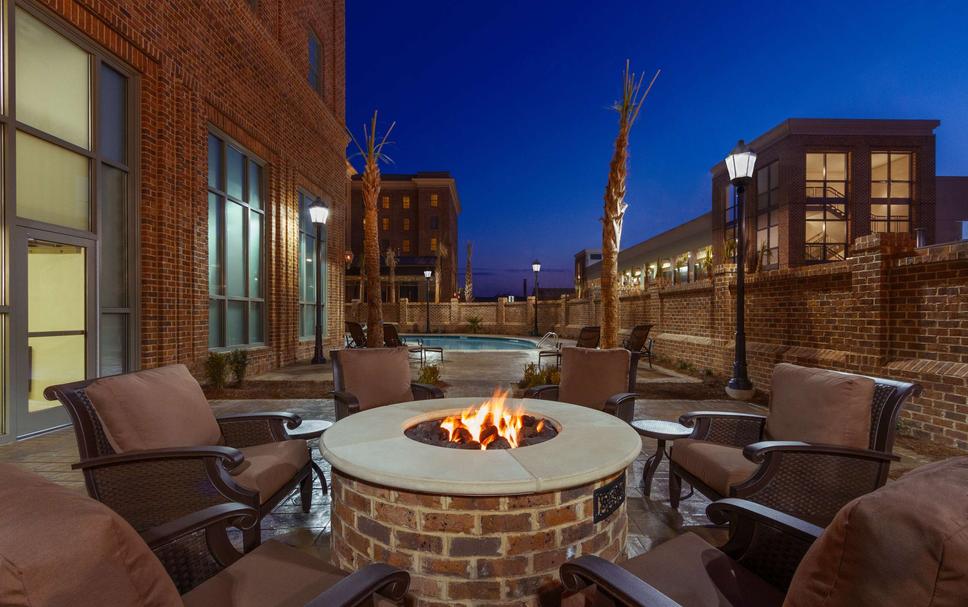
[601,379]
[392,339]
[356,337]
[588,337]
[152,450]
[374,377]
[827,439]
[638,341]
[77,552]
[905,544]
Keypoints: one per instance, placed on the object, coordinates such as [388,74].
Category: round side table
[311,429]
[661,431]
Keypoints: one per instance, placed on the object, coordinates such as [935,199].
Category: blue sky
[513,98]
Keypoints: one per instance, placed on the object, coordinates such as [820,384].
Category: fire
[486,423]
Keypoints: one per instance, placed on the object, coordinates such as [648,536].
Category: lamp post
[740,164]
[428,274]
[318,214]
[535,267]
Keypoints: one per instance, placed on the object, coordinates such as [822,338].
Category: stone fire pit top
[371,446]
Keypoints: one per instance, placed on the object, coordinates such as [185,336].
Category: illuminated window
[729,224]
[406,202]
[386,224]
[308,262]
[767,220]
[892,183]
[433,245]
[386,202]
[826,210]
[434,200]
[406,223]
[406,246]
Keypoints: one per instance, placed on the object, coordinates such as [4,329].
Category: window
[826,210]
[433,245]
[386,202]
[310,262]
[315,63]
[892,186]
[406,246]
[385,222]
[236,312]
[434,222]
[434,200]
[385,244]
[406,202]
[729,224]
[406,224]
[767,222]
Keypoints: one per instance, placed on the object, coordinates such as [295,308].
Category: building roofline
[422,178]
[652,241]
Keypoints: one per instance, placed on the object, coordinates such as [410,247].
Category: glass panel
[900,211]
[900,167]
[255,185]
[836,189]
[763,201]
[55,287]
[255,323]
[255,254]
[878,211]
[53,82]
[900,226]
[308,314]
[111,114]
[234,249]
[836,167]
[879,190]
[214,162]
[836,231]
[214,257]
[761,236]
[879,167]
[235,166]
[53,184]
[774,236]
[235,323]
[774,175]
[113,238]
[815,167]
[763,180]
[814,231]
[55,359]
[214,323]
[836,252]
[113,341]
[900,190]
[310,277]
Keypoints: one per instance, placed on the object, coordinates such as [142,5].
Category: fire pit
[475,523]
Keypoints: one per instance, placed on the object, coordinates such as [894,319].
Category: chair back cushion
[59,547]
[820,406]
[590,377]
[154,409]
[904,544]
[375,376]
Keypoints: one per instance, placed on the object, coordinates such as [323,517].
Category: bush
[429,374]
[217,369]
[539,376]
[239,361]
[475,324]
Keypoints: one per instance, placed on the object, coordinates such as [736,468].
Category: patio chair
[374,377]
[392,339]
[357,336]
[588,337]
[152,450]
[902,545]
[601,379]
[827,439]
[638,341]
[77,552]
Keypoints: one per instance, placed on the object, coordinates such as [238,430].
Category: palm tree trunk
[469,275]
[371,252]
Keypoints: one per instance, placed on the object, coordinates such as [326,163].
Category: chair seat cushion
[376,376]
[154,409]
[590,377]
[267,468]
[272,575]
[691,572]
[719,466]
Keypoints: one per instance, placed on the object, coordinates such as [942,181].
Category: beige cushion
[376,376]
[267,468]
[273,575]
[693,573]
[820,406]
[904,544]
[719,466]
[60,548]
[590,377]
[154,409]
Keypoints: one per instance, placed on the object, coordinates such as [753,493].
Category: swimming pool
[471,342]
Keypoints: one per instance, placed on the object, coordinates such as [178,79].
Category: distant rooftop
[410,176]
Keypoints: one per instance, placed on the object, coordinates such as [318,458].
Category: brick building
[418,216]
[159,157]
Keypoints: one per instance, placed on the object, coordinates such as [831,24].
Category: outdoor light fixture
[428,273]
[348,258]
[535,267]
[318,214]
[740,163]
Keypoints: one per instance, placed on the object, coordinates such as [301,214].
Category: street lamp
[427,276]
[535,267]
[318,214]
[740,164]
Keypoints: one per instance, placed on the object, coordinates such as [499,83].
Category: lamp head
[318,211]
[740,163]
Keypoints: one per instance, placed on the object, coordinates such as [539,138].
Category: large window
[315,63]
[892,190]
[825,237]
[236,312]
[767,221]
[308,262]
[729,224]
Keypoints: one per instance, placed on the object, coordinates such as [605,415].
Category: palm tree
[468,274]
[441,254]
[373,154]
[391,258]
[633,96]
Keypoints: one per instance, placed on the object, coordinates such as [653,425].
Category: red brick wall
[244,72]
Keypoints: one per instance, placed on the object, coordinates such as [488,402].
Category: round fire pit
[483,527]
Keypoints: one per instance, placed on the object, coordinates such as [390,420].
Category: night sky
[513,98]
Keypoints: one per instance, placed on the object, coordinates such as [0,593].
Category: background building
[951,215]
[418,220]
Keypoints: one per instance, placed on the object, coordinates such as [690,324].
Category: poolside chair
[152,450]
[601,379]
[374,377]
[588,337]
[638,341]
[356,337]
[827,439]
[902,545]
[77,552]
[392,339]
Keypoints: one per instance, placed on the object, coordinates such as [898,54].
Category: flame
[478,421]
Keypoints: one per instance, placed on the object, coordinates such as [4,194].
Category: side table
[661,431]
[311,429]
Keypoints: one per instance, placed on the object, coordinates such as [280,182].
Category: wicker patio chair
[392,339]
[357,336]
[152,450]
[601,379]
[77,552]
[588,337]
[827,439]
[638,341]
[904,544]
[374,377]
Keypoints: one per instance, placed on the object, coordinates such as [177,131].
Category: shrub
[239,361]
[217,369]
[475,324]
[539,376]
[429,374]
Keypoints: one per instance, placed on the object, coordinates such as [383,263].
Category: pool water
[470,342]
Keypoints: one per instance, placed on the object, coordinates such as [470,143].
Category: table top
[310,429]
[657,428]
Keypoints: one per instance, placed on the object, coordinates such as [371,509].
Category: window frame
[730,215]
[890,201]
[303,195]
[317,73]
[826,205]
[771,211]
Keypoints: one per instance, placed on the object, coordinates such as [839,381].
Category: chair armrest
[622,405]
[547,392]
[369,581]
[740,513]
[619,584]
[346,404]
[734,429]
[425,391]
[247,429]
[229,457]
[234,514]
[759,451]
